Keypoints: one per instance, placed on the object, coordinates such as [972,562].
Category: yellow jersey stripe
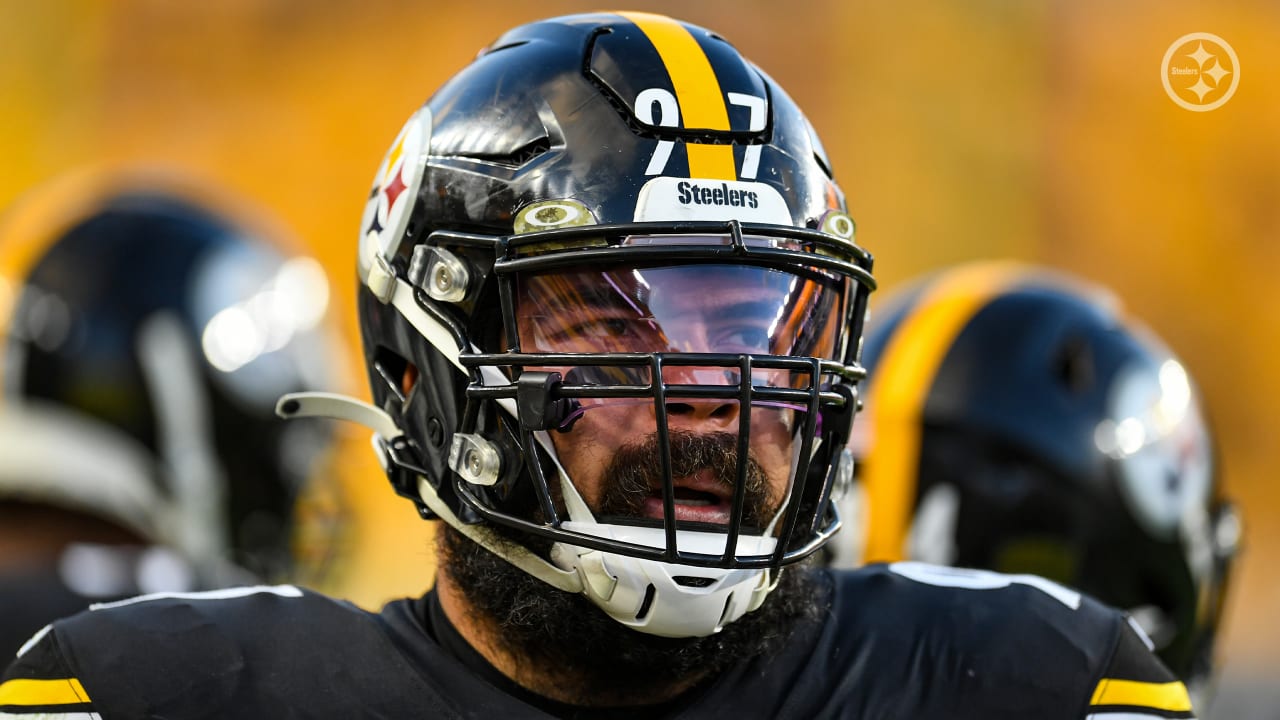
[1171,696]
[899,386]
[71,715]
[23,691]
[702,104]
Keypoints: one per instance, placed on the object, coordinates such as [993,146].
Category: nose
[721,413]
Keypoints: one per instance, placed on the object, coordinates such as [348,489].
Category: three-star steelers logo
[396,185]
[1200,71]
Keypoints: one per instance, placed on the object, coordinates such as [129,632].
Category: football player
[1018,420]
[612,307]
[147,333]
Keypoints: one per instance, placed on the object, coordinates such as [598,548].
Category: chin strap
[342,407]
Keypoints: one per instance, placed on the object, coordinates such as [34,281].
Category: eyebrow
[749,309]
[634,303]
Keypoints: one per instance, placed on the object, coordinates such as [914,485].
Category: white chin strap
[646,595]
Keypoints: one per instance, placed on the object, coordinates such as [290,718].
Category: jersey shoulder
[178,655]
[996,645]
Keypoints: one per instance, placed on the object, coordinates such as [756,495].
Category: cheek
[587,449]
[772,447]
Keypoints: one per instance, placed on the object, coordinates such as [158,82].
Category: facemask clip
[538,405]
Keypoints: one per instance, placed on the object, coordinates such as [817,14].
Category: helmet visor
[702,308]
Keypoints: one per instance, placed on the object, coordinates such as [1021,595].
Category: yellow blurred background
[961,130]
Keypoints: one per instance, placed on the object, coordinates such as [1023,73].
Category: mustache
[635,473]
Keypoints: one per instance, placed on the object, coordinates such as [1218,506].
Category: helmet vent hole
[647,604]
[408,379]
[822,162]
[1073,366]
[724,614]
[517,157]
[692,581]
[398,375]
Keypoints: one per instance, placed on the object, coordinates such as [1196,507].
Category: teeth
[692,503]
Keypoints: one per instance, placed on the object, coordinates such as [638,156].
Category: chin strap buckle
[380,278]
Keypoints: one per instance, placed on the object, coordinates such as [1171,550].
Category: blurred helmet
[1016,420]
[148,328]
[604,212]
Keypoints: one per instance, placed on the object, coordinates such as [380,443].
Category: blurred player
[1017,420]
[147,332]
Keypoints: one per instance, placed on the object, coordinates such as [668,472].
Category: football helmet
[149,326]
[1017,420]
[613,228]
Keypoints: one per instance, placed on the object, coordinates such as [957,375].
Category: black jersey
[900,641]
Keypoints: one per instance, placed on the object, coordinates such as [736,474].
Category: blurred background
[977,129]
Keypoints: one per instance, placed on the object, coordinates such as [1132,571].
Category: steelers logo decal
[396,185]
[1157,436]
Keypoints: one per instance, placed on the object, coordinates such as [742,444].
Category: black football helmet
[149,326]
[609,216]
[1018,421]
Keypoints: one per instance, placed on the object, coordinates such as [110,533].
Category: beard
[568,643]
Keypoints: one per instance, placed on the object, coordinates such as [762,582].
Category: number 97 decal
[668,116]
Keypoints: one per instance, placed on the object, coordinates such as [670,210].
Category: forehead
[674,289]
[718,295]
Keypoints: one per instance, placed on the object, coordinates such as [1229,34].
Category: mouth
[699,497]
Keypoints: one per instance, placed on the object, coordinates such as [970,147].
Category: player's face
[612,452]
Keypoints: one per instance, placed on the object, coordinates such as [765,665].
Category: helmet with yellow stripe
[1018,420]
[611,306]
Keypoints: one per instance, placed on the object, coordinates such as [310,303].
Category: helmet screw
[477,460]
[439,272]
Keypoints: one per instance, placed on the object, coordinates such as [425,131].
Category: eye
[607,333]
[603,328]
[744,338]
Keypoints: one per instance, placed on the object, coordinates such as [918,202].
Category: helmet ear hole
[408,378]
[1073,366]
[398,375]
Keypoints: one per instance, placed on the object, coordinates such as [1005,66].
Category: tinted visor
[701,308]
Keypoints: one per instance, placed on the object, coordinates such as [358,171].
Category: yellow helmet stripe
[899,386]
[1170,696]
[27,692]
[697,92]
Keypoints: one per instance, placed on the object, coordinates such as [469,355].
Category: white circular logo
[1200,71]
[549,215]
[1157,437]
